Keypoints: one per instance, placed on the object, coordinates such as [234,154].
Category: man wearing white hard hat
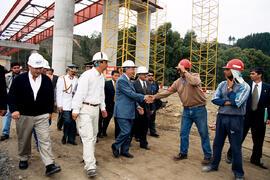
[31,104]
[141,123]
[124,109]
[87,101]
[45,67]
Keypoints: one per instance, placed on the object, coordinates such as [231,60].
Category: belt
[89,104]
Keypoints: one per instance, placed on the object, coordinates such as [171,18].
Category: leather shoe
[145,147]
[91,173]
[137,139]
[229,160]
[127,155]
[4,137]
[115,151]
[51,169]
[73,143]
[155,135]
[260,164]
[23,165]
[64,140]
[180,157]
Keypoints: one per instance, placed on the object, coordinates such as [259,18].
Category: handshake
[149,98]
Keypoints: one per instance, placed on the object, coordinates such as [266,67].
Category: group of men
[92,102]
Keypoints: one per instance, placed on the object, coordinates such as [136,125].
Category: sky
[237,18]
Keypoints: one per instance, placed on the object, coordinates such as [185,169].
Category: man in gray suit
[124,109]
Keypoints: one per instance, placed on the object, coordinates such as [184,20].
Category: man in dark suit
[109,101]
[144,87]
[124,109]
[3,92]
[258,101]
[156,105]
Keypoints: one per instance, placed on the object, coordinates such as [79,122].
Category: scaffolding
[158,43]
[203,51]
[126,31]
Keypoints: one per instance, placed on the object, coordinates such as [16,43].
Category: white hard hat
[46,64]
[128,63]
[100,56]
[35,60]
[142,70]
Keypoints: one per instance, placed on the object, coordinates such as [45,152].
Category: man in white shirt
[31,105]
[64,92]
[89,98]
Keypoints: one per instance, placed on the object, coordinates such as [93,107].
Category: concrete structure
[62,35]
[111,34]
[20,45]
[5,61]
[143,39]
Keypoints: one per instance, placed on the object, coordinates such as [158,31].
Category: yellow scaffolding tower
[158,43]
[123,42]
[203,51]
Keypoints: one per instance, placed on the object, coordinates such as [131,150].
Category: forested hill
[259,41]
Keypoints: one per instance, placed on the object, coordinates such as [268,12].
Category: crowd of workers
[86,105]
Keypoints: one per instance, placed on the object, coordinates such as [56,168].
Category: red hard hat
[185,63]
[236,64]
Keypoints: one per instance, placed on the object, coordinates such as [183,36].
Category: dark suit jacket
[21,96]
[109,95]
[3,89]
[264,102]
[139,89]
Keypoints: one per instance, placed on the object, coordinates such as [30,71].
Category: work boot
[206,161]
[4,137]
[51,169]
[180,157]
[91,173]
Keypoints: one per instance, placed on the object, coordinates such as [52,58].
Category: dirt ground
[157,163]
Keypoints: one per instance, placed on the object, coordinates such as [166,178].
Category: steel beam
[5,58]
[81,16]
[16,9]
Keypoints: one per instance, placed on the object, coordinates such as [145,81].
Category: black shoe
[100,135]
[4,137]
[73,143]
[180,157]
[127,155]
[229,159]
[64,141]
[145,147]
[137,139]
[155,135]
[91,173]
[51,169]
[115,151]
[260,164]
[23,165]
[105,134]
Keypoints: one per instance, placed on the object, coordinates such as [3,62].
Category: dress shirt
[259,87]
[90,90]
[35,84]
[143,83]
[64,98]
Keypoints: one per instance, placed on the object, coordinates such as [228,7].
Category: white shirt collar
[142,82]
[35,85]
[127,76]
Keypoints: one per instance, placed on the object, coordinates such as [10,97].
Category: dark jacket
[139,89]
[3,89]
[264,102]
[109,95]
[21,96]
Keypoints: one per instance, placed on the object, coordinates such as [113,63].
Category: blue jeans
[231,126]
[123,139]
[69,126]
[6,123]
[198,115]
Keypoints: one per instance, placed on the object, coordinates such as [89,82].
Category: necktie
[254,102]
[144,87]
[114,92]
